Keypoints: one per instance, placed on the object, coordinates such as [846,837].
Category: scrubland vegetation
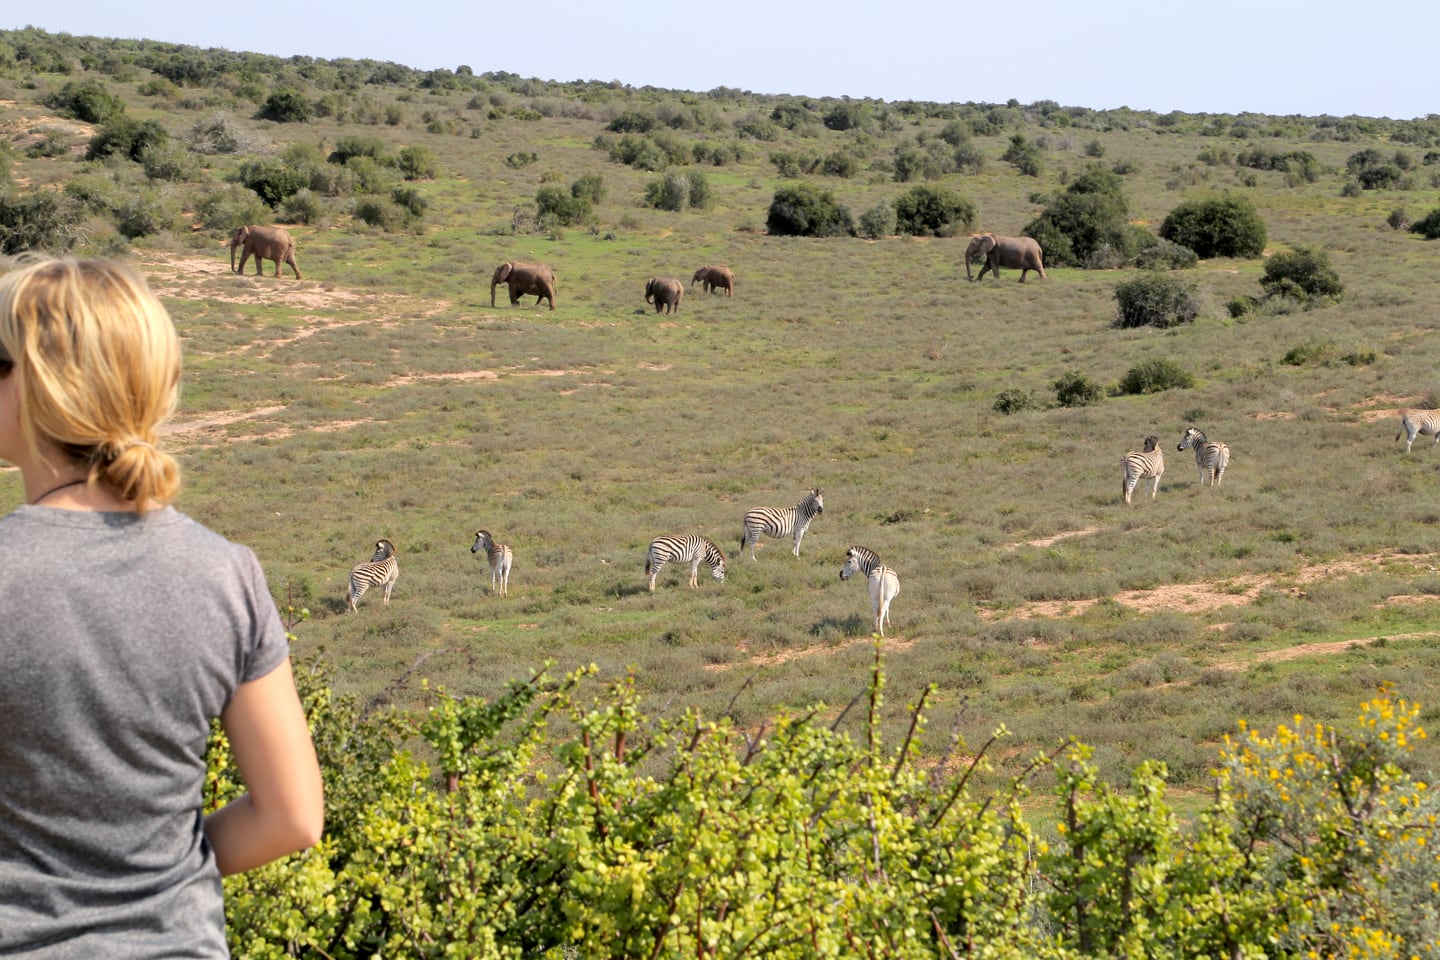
[704,789]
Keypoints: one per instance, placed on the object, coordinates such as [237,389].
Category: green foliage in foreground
[627,836]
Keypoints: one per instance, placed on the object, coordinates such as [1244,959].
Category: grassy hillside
[383,396]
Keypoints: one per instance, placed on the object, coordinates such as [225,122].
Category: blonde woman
[125,627]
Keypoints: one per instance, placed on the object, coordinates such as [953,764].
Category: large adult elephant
[1017,253]
[715,278]
[263,243]
[666,293]
[535,279]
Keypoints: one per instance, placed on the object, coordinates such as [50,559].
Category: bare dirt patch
[1048,541]
[891,645]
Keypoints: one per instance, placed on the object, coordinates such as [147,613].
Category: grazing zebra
[499,556]
[782,522]
[382,570]
[1212,458]
[882,583]
[691,549]
[1413,423]
[1142,465]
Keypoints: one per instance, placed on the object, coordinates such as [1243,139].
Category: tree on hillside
[1227,226]
[1090,215]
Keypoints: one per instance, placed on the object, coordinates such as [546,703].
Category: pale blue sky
[1230,56]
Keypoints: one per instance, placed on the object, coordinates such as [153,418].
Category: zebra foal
[1210,457]
[382,570]
[500,558]
[1147,464]
[782,522]
[882,583]
[691,549]
[1413,423]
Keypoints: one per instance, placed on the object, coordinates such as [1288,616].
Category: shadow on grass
[835,628]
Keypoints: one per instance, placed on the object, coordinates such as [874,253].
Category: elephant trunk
[233,245]
[492,291]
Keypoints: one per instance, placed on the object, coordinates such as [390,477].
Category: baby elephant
[666,293]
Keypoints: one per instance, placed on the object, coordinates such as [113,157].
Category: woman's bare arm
[284,808]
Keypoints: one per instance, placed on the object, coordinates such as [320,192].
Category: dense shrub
[217,134]
[380,212]
[1023,155]
[1300,164]
[933,212]
[272,179]
[632,121]
[1075,389]
[700,195]
[877,222]
[417,163]
[304,206]
[1304,274]
[1227,226]
[590,188]
[126,137]
[146,212]
[850,115]
[556,205]
[1155,376]
[521,159]
[1428,226]
[840,164]
[1163,254]
[349,147]
[38,219]
[670,192]
[804,210]
[1155,300]
[87,100]
[1013,401]
[287,106]
[793,164]
[169,161]
[1090,213]
[231,205]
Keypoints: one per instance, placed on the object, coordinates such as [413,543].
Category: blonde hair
[99,366]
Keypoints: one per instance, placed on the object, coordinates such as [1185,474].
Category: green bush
[1428,226]
[1167,255]
[272,179]
[304,206]
[380,212]
[632,121]
[170,161]
[1013,401]
[1155,376]
[521,159]
[851,115]
[803,210]
[877,222]
[87,100]
[793,165]
[1023,155]
[349,147]
[38,219]
[146,212]
[417,163]
[411,200]
[558,206]
[1092,212]
[670,192]
[925,211]
[126,137]
[700,196]
[840,164]
[1304,274]
[1075,389]
[1155,300]
[287,106]
[589,188]
[1227,226]
[217,134]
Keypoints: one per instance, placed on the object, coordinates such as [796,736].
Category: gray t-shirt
[120,638]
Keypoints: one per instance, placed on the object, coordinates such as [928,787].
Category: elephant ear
[503,273]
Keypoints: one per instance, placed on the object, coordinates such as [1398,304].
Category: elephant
[666,293]
[525,278]
[1013,252]
[263,243]
[716,278]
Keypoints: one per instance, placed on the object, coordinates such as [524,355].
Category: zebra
[1211,457]
[1145,464]
[1414,423]
[782,521]
[500,558]
[382,570]
[882,582]
[691,548]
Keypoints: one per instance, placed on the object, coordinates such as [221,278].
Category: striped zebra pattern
[1413,423]
[1147,464]
[782,522]
[382,570]
[1210,457]
[691,549]
[882,583]
[500,559]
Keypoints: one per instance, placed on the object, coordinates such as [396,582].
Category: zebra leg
[1154,487]
[390,585]
[695,573]
[655,572]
